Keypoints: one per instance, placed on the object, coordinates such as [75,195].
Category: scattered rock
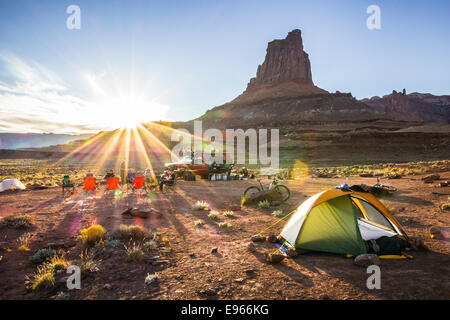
[275,203]
[435,233]
[107,286]
[272,238]
[207,292]
[431,178]
[365,260]
[214,250]
[274,258]
[192,255]
[258,238]
[291,253]
[324,296]
[251,247]
[239,280]
[250,272]
[140,213]
[419,245]
[444,184]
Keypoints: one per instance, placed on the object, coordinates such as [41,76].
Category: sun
[123,105]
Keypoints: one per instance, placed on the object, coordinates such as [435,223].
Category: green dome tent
[338,221]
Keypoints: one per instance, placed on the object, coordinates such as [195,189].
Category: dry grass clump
[87,263]
[228,214]
[213,215]
[58,262]
[134,253]
[225,225]
[150,278]
[43,278]
[264,204]
[200,205]
[198,223]
[278,213]
[131,233]
[23,242]
[90,236]
[150,245]
[18,221]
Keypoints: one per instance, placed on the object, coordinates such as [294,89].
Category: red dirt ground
[233,272]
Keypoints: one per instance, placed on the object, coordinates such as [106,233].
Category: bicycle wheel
[251,191]
[284,191]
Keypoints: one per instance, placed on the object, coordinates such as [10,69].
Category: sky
[139,61]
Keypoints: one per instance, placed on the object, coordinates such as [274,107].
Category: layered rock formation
[285,61]
[283,90]
[413,107]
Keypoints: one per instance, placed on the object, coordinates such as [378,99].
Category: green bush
[264,204]
[42,255]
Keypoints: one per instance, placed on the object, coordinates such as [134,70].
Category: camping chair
[89,183]
[67,185]
[112,184]
[139,183]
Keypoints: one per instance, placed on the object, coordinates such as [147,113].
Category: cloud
[33,98]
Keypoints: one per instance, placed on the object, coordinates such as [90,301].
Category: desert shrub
[114,243]
[131,233]
[150,278]
[87,263]
[23,242]
[224,225]
[42,255]
[58,262]
[92,235]
[43,278]
[278,213]
[150,245]
[18,221]
[156,236]
[62,296]
[228,214]
[134,253]
[213,215]
[198,223]
[98,250]
[200,205]
[264,204]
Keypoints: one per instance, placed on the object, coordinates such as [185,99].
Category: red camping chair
[139,182]
[113,183]
[89,183]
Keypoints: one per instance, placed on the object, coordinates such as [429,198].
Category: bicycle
[280,188]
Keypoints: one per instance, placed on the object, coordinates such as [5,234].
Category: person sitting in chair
[130,176]
[109,174]
[168,178]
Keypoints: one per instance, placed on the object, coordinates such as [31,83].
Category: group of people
[128,176]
